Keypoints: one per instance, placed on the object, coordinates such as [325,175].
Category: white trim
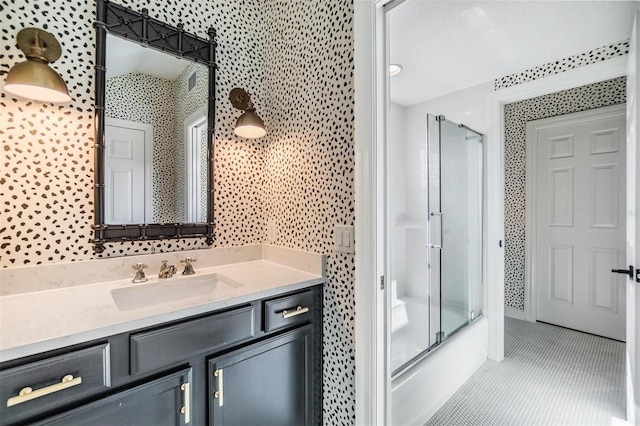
[531,216]
[530,227]
[600,71]
[191,190]
[372,378]
[494,240]
[148,159]
[588,74]
[514,313]
[632,348]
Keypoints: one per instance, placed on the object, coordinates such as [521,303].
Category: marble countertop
[39,321]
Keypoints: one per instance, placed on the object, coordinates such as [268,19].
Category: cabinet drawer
[54,382]
[155,349]
[288,310]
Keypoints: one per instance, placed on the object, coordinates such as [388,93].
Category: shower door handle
[436,246]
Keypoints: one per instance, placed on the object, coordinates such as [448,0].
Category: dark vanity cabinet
[258,363]
[283,393]
[278,395]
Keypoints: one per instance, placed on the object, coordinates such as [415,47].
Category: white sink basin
[168,290]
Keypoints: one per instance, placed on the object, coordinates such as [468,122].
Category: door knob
[624,271]
[629,272]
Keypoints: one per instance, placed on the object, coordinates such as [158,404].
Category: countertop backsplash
[68,274]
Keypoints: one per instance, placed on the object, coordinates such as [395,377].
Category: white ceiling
[125,56]
[449,45]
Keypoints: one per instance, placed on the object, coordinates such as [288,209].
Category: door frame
[191,164]
[531,216]
[148,159]
[370,90]
[633,227]
[588,74]
[372,369]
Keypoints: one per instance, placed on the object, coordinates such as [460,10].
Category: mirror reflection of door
[127,195]
[196,166]
[147,86]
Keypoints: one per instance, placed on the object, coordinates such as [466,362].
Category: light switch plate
[343,237]
[272,231]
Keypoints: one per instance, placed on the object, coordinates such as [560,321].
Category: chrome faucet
[166,271]
[139,278]
[188,267]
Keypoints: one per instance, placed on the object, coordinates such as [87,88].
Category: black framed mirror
[154,121]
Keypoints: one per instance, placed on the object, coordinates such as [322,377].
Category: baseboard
[513,313]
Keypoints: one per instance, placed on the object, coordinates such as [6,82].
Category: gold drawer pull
[299,311]
[186,409]
[27,394]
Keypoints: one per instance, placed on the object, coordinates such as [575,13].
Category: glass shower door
[434,206]
[455,226]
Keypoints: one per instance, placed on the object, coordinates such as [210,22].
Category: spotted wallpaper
[294,57]
[47,173]
[591,57]
[309,164]
[597,95]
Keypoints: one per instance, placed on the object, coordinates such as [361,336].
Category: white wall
[415,215]
[468,107]
[396,196]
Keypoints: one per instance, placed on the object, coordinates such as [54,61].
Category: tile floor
[550,376]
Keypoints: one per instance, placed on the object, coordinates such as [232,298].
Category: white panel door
[580,231]
[124,172]
[633,230]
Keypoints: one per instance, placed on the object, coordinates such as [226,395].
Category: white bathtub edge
[422,390]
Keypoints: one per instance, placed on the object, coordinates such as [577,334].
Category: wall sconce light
[249,124]
[33,78]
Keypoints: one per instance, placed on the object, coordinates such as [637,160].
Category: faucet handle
[139,266]
[188,268]
[140,277]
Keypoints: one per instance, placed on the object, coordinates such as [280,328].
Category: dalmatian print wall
[517,115]
[47,179]
[294,57]
[591,57]
[309,164]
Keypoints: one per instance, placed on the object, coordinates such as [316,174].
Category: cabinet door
[35,388]
[164,401]
[269,383]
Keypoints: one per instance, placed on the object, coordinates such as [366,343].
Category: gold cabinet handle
[27,394]
[186,409]
[220,392]
[299,311]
